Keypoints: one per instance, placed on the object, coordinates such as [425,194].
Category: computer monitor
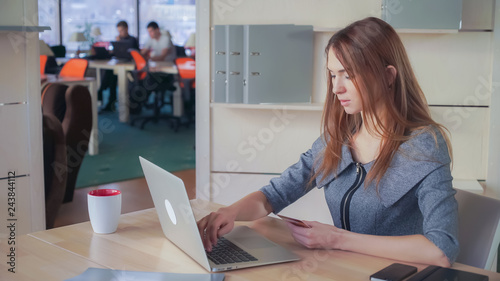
[101,53]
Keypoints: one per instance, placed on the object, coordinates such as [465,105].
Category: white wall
[321,13]
[493,180]
[453,69]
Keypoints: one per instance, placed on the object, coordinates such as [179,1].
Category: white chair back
[479,229]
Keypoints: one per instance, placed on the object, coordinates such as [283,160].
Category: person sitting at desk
[109,80]
[159,47]
[382,161]
[124,36]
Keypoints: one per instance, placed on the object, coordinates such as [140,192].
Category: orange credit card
[294,221]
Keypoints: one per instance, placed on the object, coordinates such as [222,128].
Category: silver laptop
[248,248]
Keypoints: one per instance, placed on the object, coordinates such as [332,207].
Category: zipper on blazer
[346,200]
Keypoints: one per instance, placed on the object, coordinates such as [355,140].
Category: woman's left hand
[318,236]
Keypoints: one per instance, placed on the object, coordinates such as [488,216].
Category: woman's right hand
[216,225]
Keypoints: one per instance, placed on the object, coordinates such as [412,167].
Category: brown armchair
[55,167]
[72,106]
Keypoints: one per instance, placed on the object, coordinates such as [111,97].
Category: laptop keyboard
[225,252]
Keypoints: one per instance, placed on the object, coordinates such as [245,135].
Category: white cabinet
[20,120]
[468,128]
[21,208]
[262,140]
[11,90]
[452,69]
[14,148]
[18,13]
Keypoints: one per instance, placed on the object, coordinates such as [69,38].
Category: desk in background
[139,244]
[120,69]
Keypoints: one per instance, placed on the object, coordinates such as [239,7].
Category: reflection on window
[176,16]
[48,15]
[89,15]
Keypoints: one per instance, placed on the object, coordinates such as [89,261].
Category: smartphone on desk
[394,272]
[294,221]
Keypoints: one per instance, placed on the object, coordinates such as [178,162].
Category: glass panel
[85,15]
[48,15]
[176,16]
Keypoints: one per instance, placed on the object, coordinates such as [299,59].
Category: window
[176,16]
[85,15]
[48,15]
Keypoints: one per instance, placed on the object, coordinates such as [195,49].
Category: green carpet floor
[121,145]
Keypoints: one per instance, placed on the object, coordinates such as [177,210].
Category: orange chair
[141,65]
[186,67]
[43,63]
[187,75]
[145,83]
[74,68]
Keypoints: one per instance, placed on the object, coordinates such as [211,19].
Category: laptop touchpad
[253,242]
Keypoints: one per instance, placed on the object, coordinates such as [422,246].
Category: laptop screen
[120,49]
[101,53]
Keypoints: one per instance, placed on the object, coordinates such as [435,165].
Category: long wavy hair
[366,48]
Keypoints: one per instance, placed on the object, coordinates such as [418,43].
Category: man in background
[109,80]
[159,47]
[123,35]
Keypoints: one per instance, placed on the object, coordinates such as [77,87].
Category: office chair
[180,52]
[74,68]
[43,63]
[146,83]
[72,106]
[54,166]
[187,75]
[479,229]
[59,51]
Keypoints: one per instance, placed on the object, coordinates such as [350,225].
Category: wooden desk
[39,260]
[91,84]
[120,69]
[139,244]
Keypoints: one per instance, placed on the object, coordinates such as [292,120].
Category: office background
[68,16]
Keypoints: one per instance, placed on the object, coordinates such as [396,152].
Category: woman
[382,161]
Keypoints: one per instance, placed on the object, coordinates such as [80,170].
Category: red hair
[366,48]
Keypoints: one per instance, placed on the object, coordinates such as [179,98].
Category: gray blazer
[415,194]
